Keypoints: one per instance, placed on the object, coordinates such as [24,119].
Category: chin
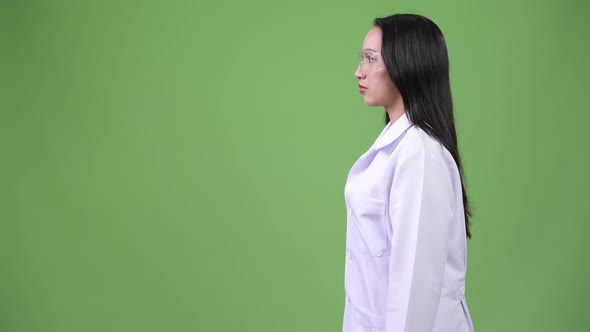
[371,102]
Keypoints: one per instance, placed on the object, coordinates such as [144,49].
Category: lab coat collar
[392,131]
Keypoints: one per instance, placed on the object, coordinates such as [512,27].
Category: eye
[369,57]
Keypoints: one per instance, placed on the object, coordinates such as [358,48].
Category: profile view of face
[374,81]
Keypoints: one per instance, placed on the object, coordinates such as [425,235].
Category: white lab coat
[406,249]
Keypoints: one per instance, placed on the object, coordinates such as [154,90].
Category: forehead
[373,39]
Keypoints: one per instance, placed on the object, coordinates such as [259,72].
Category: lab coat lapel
[388,135]
[395,130]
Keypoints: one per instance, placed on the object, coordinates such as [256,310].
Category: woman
[407,221]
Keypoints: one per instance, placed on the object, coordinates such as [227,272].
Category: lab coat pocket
[368,216]
[360,327]
[366,322]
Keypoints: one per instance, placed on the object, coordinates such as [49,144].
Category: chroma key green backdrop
[180,165]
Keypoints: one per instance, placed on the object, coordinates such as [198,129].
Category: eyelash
[370,59]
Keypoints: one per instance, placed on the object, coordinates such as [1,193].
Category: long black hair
[415,54]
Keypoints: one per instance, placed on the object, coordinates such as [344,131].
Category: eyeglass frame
[373,52]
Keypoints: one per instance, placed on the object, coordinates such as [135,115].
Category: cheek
[380,92]
[387,89]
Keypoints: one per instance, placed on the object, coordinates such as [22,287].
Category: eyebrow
[370,49]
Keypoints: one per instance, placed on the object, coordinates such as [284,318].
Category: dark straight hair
[415,54]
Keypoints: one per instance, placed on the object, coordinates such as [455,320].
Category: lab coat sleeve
[420,210]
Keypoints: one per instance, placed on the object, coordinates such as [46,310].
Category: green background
[180,165]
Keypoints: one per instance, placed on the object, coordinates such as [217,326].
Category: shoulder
[417,142]
[416,146]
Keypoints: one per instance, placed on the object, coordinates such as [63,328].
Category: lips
[362,88]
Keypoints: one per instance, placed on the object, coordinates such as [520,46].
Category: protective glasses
[369,61]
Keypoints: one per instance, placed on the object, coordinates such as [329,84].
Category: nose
[359,73]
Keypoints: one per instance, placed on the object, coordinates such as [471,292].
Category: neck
[395,110]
